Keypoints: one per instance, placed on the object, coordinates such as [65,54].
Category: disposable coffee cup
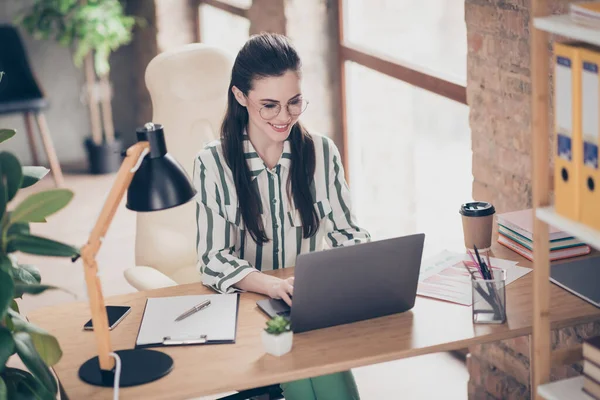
[477,221]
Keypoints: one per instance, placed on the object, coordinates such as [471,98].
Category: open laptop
[354,283]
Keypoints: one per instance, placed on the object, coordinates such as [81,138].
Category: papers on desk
[213,324]
[444,277]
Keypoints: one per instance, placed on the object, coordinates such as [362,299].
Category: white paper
[217,321]
[444,276]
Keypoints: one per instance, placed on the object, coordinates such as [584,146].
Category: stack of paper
[444,276]
[216,323]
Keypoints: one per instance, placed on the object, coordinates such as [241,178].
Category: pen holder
[489,299]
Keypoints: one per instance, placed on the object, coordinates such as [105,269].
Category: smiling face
[268,96]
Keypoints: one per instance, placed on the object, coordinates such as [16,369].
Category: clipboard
[215,324]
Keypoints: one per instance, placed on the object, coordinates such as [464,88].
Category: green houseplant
[277,337]
[93,29]
[36,348]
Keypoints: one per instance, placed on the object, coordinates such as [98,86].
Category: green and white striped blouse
[227,253]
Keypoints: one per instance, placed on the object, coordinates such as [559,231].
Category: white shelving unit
[571,389]
[577,229]
[562,25]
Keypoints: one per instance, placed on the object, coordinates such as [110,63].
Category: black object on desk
[580,277]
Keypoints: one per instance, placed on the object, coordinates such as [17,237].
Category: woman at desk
[269,190]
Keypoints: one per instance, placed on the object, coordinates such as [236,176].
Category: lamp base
[138,366]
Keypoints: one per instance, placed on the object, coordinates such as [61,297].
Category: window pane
[428,34]
[220,28]
[409,159]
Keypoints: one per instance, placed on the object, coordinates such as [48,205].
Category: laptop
[354,283]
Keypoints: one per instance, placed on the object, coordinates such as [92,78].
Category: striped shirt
[227,253]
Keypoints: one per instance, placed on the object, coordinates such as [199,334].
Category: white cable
[117,375]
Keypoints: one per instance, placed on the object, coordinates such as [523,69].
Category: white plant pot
[277,345]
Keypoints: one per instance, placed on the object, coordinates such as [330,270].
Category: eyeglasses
[271,110]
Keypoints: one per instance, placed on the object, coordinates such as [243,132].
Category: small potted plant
[277,337]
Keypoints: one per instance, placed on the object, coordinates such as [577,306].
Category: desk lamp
[154,181]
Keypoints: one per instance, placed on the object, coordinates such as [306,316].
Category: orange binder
[567,111]
[589,181]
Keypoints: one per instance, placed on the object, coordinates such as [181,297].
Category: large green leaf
[7,290]
[14,306]
[10,173]
[3,390]
[5,264]
[46,345]
[40,246]
[32,175]
[8,319]
[34,363]
[19,228]
[6,134]
[22,385]
[7,346]
[36,207]
[25,273]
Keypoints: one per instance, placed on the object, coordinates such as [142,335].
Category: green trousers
[338,386]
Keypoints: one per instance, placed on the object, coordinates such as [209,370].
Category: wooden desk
[432,326]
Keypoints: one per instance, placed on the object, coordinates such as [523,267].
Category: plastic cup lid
[477,209]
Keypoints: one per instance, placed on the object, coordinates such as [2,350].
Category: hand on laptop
[284,289]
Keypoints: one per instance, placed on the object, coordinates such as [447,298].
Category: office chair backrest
[18,84]
[188,87]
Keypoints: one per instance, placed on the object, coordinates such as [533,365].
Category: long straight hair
[267,55]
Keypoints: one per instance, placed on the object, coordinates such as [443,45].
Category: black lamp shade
[160,181]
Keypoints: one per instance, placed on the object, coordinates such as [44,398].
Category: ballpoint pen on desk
[489,264]
[484,270]
[193,310]
[476,264]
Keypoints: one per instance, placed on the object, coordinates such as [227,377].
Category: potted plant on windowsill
[92,29]
[277,337]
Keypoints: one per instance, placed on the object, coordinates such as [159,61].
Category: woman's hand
[282,289]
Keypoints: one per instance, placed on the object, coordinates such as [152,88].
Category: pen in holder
[489,298]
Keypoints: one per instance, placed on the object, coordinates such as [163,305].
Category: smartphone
[115,315]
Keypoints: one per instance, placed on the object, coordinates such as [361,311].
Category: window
[430,35]
[408,149]
[221,28]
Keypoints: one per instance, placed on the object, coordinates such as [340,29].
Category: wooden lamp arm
[88,253]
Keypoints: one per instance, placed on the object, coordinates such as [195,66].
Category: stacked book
[585,13]
[591,367]
[515,231]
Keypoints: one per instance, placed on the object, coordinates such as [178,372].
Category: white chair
[188,87]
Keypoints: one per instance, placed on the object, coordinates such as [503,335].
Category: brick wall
[499,95]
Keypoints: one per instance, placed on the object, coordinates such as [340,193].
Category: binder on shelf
[214,324]
[589,179]
[567,110]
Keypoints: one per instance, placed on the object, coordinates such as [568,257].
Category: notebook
[521,222]
[579,277]
[216,323]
